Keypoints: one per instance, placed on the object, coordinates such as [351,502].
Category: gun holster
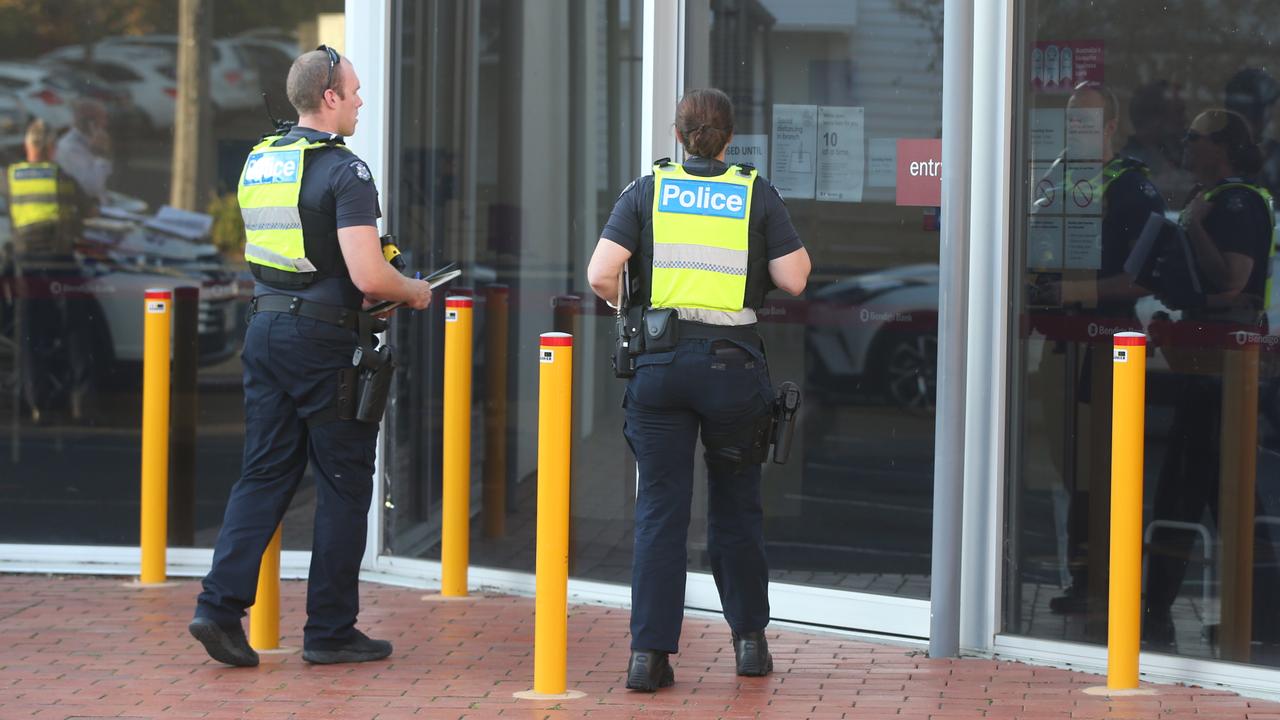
[366,385]
[785,405]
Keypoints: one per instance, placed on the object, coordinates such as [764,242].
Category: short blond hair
[306,84]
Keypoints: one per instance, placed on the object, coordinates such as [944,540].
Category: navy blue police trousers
[720,389]
[291,366]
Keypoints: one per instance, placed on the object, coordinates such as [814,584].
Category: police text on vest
[272,167]
[700,197]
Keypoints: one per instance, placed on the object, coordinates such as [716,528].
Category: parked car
[41,90]
[148,79]
[13,124]
[877,334]
[124,117]
[125,254]
[233,81]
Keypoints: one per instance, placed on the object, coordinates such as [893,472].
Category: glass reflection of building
[500,133]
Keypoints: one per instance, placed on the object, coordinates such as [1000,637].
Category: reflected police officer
[702,244]
[310,211]
[1229,223]
[46,213]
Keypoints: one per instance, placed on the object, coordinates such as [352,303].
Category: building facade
[953,182]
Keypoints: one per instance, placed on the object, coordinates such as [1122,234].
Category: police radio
[629,341]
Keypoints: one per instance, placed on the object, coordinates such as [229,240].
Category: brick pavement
[89,647]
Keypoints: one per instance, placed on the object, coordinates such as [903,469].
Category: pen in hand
[416,276]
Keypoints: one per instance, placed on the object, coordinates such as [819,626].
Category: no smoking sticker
[1120,355]
[547,356]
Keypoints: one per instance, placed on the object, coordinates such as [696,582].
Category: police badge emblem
[362,170]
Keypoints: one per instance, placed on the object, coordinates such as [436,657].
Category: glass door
[847,128]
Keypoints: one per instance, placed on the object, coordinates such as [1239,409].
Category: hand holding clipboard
[435,279]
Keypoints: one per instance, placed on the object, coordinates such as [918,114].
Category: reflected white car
[877,334]
[39,92]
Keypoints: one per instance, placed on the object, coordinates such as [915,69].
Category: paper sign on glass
[841,160]
[793,167]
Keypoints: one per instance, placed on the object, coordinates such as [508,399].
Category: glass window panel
[824,98]
[517,124]
[1131,151]
[70,335]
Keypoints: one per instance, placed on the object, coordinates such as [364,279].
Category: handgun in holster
[364,388]
[785,405]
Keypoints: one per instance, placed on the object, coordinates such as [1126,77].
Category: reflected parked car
[877,334]
[125,254]
[147,78]
[13,124]
[40,90]
[233,81]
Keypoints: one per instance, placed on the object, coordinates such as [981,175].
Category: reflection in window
[821,103]
[517,125]
[101,76]
[1146,152]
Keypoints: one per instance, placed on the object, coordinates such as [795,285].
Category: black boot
[360,648]
[649,670]
[224,644]
[751,651]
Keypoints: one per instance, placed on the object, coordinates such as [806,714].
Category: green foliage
[228,226]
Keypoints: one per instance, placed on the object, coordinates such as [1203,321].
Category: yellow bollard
[264,616]
[1128,406]
[456,512]
[555,422]
[155,435]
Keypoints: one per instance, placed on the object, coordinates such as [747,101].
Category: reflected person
[310,211]
[46,212]
[1128,200]
[84,152]
[703,243]
[1229,223]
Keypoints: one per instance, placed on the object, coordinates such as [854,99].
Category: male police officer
[46,210]
[310,211]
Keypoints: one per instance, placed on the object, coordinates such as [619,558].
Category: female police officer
[703,243]
[1230,225]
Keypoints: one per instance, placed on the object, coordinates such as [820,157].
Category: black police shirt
[1129,201]
[1238,222]
[632,216]
[337,192]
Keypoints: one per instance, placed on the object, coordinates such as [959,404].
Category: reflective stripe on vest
[1269,203]
[269,188]
[700,236]
[33,194]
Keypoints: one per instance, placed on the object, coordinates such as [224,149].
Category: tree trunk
[192,137]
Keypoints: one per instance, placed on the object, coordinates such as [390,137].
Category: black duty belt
[745,334]
[332,314]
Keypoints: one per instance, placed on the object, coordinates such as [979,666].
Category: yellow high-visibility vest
[269,187]
[700,237]
[1269,202]
[33,195]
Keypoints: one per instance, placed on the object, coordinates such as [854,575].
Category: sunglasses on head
[334,59]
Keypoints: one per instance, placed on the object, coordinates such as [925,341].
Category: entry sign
[920,172]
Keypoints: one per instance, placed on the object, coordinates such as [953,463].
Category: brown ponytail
[704,119]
